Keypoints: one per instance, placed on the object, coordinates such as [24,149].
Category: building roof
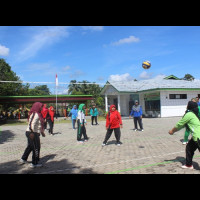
[167,83]
[45,98]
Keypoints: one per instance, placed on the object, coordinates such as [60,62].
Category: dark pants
[34,146]
[109,133]
[81,130]
[94,117]
[50,126]
[45,124]
[139,120]
[73,123]
[190,149]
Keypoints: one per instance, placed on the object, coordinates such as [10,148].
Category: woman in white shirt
[35,127]
[81,124]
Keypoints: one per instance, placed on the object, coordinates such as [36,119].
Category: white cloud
[128,40]
[66,68]
[76,74]
[122,77]
[4,51]
[93,28]
[145,75]
[44,37]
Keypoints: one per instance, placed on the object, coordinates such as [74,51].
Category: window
[178,96]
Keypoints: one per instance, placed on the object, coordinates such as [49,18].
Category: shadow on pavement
[49,167]
[182,161]
[6,136]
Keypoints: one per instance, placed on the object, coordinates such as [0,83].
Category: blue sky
[100,53]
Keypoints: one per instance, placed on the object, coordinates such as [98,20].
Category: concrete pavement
[153,151]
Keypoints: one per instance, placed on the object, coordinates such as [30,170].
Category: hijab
[80,108]
[192,107]
[51,113]
[112,107]
[44,111]
[73,110]
[37,108]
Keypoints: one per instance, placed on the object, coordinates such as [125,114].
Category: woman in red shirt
[50,119]
[113,122]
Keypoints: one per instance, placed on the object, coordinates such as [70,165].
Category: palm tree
[73,87]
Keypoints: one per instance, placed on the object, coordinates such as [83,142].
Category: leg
[135,122]
[29,147]
[140,122]
[83,130]
[190,149]
[108,134]
[50,126]
[187,133]
[117,134]
[74,122]
[36,149]
[79,131]
[92,120]
[95,120]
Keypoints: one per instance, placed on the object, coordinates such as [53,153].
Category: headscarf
[80,108]
[37,108]
[193,106]
[44,111]
[51,113]
[73,110]
[112,107]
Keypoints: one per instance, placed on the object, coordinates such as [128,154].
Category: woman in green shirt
[191,121]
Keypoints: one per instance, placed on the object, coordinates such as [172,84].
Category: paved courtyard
[153,151]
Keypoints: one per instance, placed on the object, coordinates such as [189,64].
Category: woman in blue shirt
[136,113]
[73,113]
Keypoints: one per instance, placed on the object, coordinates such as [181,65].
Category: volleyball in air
[146,64]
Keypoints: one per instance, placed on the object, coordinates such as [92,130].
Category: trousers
[109,133]
[34,146]
[92,119]
[190,149]
[139,120]
[81,130]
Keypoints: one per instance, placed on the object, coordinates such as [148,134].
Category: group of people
[73,113]
[39,115]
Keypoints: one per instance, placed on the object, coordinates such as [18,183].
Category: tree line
[20,89]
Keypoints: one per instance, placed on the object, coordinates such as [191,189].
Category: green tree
[188,77]
[6,74]
[40,90]
[73,87]
[86,88]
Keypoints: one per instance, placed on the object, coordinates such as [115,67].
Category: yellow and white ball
[146,64]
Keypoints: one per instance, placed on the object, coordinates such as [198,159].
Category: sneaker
[142,130]
[103,144]
[85,140]
[184,143]
[34,166]
[135,129]
[118,143]
[80,142]
[22,161]
[187,167]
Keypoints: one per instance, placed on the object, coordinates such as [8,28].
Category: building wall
[124,104]
[175,107]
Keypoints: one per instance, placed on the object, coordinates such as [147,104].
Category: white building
[161,97]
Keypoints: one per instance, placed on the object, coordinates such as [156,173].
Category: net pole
[56,96]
